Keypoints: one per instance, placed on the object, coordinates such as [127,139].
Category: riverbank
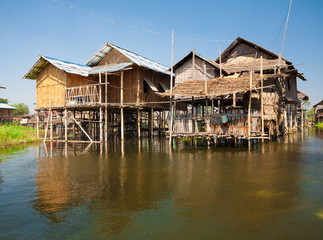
[10,134]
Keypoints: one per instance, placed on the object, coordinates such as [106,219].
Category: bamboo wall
[51,86]
[195,71]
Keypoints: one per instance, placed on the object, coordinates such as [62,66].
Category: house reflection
[232,186]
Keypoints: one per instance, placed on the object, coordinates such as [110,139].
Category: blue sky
[33,27]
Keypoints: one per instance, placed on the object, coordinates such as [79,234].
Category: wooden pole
[121,109]
[51,125]
[249,109]
[37,123]
[82,129]
[139,122]
[171,91]
[220,57]
[65,124]
[151,122]
[106,107]
[234,100]
[100,108]
[262,98]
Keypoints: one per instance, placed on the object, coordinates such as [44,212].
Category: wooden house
[6,113]
[252,94]
[113,89]
[318,111]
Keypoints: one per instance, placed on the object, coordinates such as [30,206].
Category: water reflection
[137,185]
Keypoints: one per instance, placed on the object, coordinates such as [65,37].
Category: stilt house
[318,111]
[252,93]
[109,94]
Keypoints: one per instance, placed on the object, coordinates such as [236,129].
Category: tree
[22,109]
[4,100]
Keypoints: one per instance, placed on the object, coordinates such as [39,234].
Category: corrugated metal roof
[109,68]
[66,66]
[6,106]
[135,58]
[71,67]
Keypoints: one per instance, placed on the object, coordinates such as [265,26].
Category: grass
[10,134]
[319,125]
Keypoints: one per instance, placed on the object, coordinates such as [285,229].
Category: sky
[73,30]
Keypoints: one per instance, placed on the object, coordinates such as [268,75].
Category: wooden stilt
[151,121]
[249,110]
[106,107]
[51,125]
[139,123]
[65,123]
[37,123]
[121,109]
[100,110]
[262,100]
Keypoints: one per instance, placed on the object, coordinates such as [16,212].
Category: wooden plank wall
[188,72]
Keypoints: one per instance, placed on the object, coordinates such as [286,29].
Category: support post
[51,125]
[171,91]
[262,99]
[151,122]
[106,107]
[121,109]
[65,124]
[249,109]
[139,123]
[37,123]
[101,113]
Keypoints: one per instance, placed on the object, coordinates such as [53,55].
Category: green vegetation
[22,109]
[4,100]
[10,134]
[319,125]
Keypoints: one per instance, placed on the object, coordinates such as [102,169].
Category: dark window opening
[146,87]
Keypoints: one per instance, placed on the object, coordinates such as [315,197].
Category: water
[147,191]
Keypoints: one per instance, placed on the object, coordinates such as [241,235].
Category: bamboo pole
[139,123]
[51,125]
[262,98]
[220,57]
[37,123]
[82,129]
[106,107]
[100,102]
[121,109]
[65,123]
[151,122]
[249,110]
[171,91]
[47,125]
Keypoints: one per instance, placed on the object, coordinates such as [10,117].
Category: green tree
[4,100]
[22,109]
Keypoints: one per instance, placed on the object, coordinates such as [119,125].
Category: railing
[82,95]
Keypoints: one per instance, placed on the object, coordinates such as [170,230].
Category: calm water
[273,191]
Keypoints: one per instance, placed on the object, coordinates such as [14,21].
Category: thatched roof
[269,53]
[243,63]
[217,86]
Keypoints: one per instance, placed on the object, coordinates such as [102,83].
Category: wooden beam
[82,129]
